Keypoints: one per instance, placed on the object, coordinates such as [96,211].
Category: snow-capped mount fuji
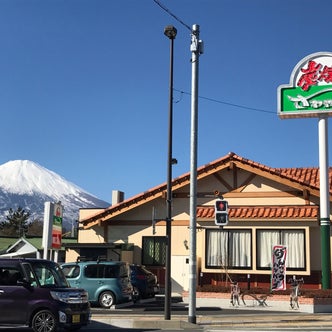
[26,184]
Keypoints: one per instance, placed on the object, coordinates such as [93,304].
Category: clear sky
[84,85]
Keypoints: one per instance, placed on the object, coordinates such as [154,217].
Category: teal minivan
[107,282]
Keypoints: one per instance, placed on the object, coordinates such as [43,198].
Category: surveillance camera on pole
[221,212]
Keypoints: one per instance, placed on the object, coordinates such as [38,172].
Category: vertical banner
[279,254]
[57,226]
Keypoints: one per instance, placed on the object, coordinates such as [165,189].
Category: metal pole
[170,32]
[324,202]
[195,49]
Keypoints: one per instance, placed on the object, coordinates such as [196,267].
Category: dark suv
[36,294]
[144,282]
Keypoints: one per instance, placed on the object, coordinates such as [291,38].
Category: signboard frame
[309,92]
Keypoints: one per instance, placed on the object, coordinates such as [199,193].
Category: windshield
[45,274]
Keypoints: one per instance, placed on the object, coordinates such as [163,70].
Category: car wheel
[44,321]
[106,299]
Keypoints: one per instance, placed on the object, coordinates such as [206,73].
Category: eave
[304,180]
[244,213]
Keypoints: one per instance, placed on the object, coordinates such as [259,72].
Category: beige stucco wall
[127,256]
[91,235]
[86,213]
[131,226]
[71,255]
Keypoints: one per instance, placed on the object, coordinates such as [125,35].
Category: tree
[16,223]
[35,228]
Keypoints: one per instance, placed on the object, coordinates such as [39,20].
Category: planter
[321,304]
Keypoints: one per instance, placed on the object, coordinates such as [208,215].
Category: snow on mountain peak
[26,184]
[28,177]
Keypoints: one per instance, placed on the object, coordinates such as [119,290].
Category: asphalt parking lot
[149,315]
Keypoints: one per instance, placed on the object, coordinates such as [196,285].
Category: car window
[141,270]
[45,274]
[144,270]
[92,271]
[111,271]
[105,271]
[124,272]
[71,271]
[9,276]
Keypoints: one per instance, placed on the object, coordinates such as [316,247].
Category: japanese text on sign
[279,254]
[314,74]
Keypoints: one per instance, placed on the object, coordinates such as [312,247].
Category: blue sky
[84,85]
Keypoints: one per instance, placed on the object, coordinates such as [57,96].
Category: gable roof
[35,241]
[303,179]
[20,248]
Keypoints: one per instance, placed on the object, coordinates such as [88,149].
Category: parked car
[35,293]
[107,282]
[145,283]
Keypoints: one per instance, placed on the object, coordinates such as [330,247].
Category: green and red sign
[309,93]
[57,226]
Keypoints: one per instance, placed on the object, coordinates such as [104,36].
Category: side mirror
[25,283]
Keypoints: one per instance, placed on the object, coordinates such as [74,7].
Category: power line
[170,13]
[226,103]
[201,97]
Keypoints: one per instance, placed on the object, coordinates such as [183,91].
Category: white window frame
[222,251]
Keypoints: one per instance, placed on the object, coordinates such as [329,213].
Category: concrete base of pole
[326,256]
[324,202]
[192,319]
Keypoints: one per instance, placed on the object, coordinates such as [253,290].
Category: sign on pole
[57,226]
[309,92]
[47,228]
[52,229]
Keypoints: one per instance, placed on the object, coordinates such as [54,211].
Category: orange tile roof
[264,212]
[303,178]
[308,176]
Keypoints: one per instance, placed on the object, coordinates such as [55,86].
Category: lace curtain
[292,239]
[229,248]
[232,248]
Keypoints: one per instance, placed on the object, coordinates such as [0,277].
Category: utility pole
[324,201]
[196,48]
[170,32]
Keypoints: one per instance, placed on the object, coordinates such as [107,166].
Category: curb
[144,322]
[229,321]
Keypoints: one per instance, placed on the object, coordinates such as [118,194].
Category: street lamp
[169,32]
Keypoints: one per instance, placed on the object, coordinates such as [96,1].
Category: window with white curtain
[293,239]
[228,249]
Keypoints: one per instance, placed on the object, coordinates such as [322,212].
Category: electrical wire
[225,103]
[170,13]
[201,97]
